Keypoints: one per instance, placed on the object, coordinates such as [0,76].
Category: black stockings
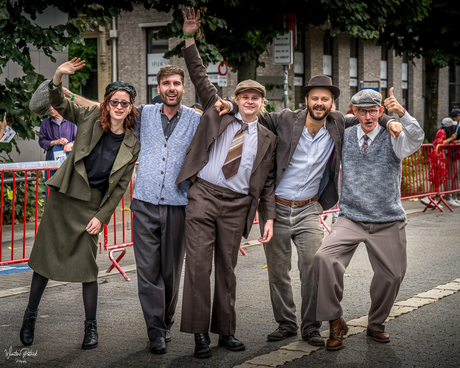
[89,295]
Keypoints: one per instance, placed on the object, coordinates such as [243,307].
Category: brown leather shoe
[378,336]
[338,329]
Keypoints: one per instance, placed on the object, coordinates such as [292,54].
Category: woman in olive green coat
[84,193]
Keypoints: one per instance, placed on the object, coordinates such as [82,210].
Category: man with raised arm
[371,212]
[231,164]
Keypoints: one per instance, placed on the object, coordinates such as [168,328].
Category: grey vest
[371,180]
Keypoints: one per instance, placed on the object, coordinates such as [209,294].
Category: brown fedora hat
[320,81]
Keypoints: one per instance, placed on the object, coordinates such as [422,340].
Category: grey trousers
[302,226]
[386,248]
[159,246]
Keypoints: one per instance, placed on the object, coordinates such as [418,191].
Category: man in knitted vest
[371,212]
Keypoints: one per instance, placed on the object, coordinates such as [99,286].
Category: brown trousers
[215,219]
[386,248]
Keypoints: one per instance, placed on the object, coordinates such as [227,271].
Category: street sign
[222,69]
[283,50]
[222,81]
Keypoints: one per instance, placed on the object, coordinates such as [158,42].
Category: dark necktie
[365,145]
[232,162]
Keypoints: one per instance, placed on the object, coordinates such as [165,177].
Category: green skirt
[63,250]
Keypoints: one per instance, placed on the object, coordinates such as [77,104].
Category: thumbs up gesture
[392,105]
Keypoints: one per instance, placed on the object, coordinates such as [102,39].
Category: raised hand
[191,22]
[392,105]
[70,67]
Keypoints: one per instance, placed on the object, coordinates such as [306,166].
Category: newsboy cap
[250,84]
[366,98]
[322,81]
[40,101]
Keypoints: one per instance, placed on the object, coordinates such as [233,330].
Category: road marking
[300,348]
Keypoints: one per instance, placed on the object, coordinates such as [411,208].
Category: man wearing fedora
[370,212]
[231,164]
[307,170]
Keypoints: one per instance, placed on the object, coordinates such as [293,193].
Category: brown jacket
[71,178]
[262,181]
[288,126]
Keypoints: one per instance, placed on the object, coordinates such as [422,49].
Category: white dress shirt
[212,172]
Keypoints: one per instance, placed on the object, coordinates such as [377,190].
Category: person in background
[197,107]
[84,193]
[56,134]
[442,162]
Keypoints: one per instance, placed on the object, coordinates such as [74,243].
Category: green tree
[239,31]
[18,32]
[88,52]
[437,40]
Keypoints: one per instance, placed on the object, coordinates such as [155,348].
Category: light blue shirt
[212,172]
[302,178]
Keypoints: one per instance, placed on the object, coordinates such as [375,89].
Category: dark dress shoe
[158,345]
[168,336]
[202,342]
[378,336]
[338,329]
[231,343]
[28,327]
[91,336]
[314,338]
[280,334]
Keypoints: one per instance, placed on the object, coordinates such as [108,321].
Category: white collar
[372,134]
[251,125]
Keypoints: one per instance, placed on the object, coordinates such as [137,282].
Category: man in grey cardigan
[371,212]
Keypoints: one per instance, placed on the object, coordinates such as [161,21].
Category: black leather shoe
[202,342]
[168,336]
[231,343]
[28,327]
[280,334]
[91,336]
[314,338]
[158,345]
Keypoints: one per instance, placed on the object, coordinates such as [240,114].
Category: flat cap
[366,98]
[40,101]
[250,84]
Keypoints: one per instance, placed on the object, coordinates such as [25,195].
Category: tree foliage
[437,40]
[239,31]
[19,31]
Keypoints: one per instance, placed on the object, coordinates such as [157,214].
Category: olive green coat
[71,178]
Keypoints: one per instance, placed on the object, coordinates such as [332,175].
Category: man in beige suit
[231,164]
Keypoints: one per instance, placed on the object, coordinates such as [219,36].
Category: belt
[295,203]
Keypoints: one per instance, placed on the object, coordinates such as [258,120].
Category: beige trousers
[386,248]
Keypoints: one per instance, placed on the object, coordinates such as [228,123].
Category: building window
[405,82]
[299,70]
[384,72]
[327,53]
[354,48]
[454,86]
[155,61]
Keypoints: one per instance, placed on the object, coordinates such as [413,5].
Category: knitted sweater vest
[371,180]
[160,160]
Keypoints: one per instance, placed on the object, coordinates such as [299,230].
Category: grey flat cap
[366,98]
[40,101]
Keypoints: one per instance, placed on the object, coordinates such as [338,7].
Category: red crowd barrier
[23,195]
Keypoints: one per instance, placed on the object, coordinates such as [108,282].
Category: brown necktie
[232,162]
[365,145]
